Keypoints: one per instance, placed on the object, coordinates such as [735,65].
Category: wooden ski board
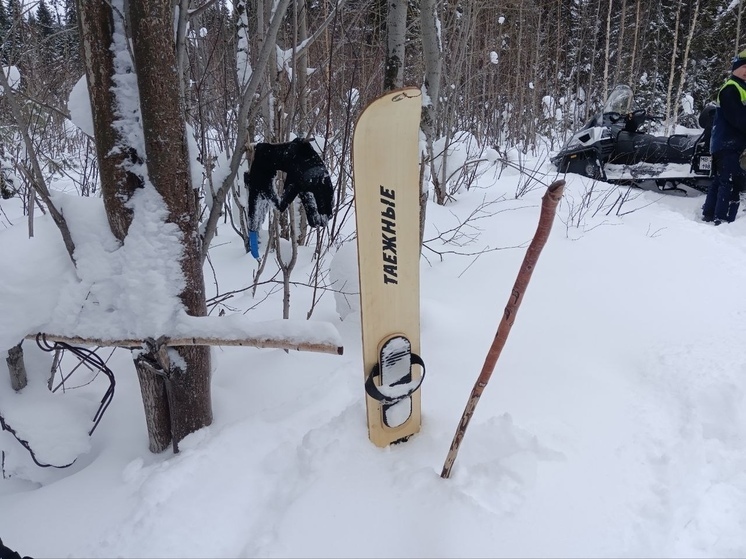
[386,175]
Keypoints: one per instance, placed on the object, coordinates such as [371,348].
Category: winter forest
[126,127]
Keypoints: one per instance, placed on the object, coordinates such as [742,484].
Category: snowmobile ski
[387,193]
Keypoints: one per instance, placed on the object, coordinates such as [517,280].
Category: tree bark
[396,30]
[672,71]
[17,368]
[607,55]
[432,52]
[683,73]
[118,183]
[301,66]
[157,412]
[164,128]
[96,28]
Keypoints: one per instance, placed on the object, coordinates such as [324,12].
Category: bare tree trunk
[286,267]
[738,27]
[432,52]
[520,79]
[607,51]
[31,205]
[243,75]
[592,73]
[396,30]
[682,73]
[118,183]
[633,56]
[181,50]
[168,164]
[301,67]
[96,28]
[157,413]
[620,43]
[17,368]
[672,71]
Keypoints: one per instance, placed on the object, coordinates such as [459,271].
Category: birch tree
[396,30]
[685,61]
[672,69]
[607,56]
[432,52]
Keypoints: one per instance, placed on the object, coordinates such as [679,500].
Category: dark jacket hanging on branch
[306,177]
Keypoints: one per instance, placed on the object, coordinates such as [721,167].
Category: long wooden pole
[266,342]
[548,209]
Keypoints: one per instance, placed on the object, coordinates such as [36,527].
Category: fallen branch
[261,342]
[548,209]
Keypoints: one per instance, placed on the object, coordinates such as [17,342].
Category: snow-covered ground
[614,423]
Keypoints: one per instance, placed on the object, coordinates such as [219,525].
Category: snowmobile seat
[635,148]
[681,146]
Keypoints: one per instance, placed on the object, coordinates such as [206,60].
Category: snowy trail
[613,425]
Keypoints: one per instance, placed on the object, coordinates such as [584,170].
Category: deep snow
[614,423]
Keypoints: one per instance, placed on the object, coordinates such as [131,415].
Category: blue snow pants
[722,200]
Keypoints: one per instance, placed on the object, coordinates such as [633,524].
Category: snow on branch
[236,330]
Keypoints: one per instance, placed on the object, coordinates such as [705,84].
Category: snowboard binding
[396,382]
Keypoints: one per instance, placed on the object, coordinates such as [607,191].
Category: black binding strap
[372,389]
[88,357]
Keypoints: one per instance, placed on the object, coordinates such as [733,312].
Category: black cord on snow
[88,357]
[25,444]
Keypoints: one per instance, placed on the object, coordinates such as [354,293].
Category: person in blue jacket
[727,143]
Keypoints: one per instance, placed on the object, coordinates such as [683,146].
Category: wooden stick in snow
[548,209]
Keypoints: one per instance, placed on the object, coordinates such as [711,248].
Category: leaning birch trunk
[396,29]
[432,51]
[548,208]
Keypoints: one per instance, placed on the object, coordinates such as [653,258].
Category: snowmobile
[613,147]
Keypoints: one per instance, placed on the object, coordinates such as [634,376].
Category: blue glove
[254,244]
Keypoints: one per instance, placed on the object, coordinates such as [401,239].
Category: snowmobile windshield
[620,100]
